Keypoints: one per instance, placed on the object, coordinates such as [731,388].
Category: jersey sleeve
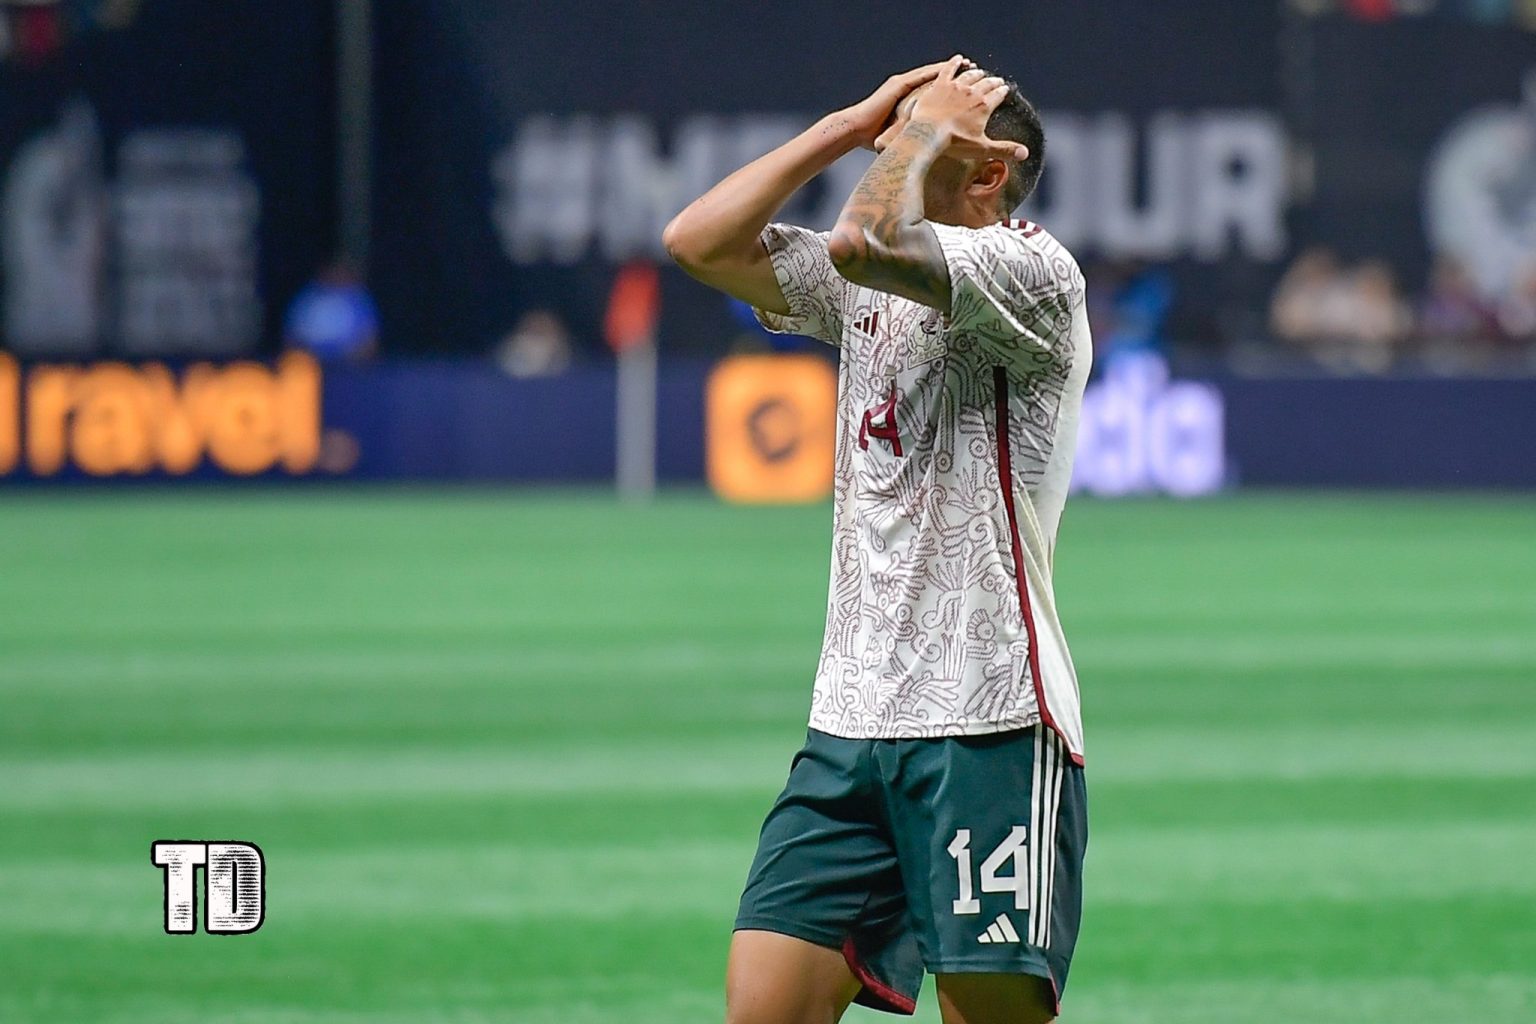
[811,285]
[1008,292]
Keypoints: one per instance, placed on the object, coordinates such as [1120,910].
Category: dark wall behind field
[216,118]
[524,150]
[459,78]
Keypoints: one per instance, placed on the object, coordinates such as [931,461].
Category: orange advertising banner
[771,424]
[114,419]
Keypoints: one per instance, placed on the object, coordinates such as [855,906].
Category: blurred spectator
[1128,307]
[1311,301]
[1378,315]
[539,346]
[1349,319]
[752,336]
[34,32]
[1452,310]
[1517,313]
[334,318]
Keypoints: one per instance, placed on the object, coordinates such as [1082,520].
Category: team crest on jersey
[925,341]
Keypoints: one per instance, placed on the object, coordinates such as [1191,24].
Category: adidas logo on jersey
[868,323]
[1000,930]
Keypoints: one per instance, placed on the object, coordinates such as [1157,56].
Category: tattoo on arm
[882,240]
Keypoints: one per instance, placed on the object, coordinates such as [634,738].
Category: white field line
[1233,866]
[291,777]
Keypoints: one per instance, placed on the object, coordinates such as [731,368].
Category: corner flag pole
[633,309]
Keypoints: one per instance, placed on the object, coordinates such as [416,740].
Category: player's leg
[823,915]
[779,979]
[995,999]
[990,833]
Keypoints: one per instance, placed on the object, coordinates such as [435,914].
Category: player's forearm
[727,221]
[882,239]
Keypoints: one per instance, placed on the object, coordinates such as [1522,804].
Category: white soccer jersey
[954,452]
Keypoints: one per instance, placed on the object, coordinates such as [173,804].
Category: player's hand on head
[869,117]
[959,103]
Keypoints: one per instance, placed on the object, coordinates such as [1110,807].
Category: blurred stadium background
[368,491]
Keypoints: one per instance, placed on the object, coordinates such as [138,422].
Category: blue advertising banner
[1142,431]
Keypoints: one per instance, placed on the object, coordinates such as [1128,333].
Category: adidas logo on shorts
[1000,930]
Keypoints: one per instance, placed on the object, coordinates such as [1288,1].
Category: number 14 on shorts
[1011,849]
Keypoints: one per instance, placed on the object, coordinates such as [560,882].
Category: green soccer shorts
[960,855]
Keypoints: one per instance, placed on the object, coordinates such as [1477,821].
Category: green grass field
[507,752]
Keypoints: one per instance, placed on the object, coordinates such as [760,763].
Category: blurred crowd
[1356,317]
[1325,313]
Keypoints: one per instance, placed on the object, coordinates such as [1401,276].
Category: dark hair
[1016,120]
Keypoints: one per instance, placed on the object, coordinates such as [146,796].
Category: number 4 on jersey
[1010,849]
[881,422]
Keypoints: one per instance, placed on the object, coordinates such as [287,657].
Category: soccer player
[936,816]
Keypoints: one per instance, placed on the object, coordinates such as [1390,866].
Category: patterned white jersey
[954,452]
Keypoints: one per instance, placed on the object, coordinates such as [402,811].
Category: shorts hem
[794,929]
[876,993]
[1036,968]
